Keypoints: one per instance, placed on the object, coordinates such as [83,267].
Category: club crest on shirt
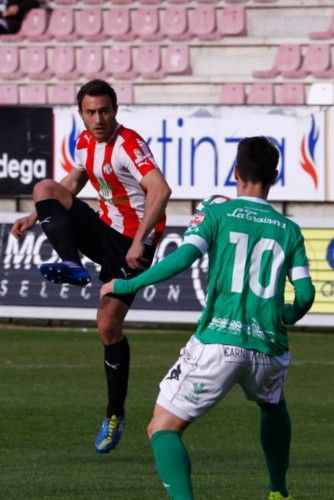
[107,169]
[197,218]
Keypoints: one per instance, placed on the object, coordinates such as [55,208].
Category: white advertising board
[196,148]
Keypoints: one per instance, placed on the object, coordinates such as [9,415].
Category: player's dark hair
[257,160]
[97,88]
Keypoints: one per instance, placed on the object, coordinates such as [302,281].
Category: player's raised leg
[53,204]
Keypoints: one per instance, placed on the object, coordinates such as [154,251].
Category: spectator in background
[12,13]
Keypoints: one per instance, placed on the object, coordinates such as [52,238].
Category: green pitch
[52,399]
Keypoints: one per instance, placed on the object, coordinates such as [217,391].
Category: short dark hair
[97,87]
[257,160]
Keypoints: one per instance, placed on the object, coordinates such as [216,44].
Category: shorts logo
[175,373]
[193,396]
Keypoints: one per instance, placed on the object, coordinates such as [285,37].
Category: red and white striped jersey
[116,169]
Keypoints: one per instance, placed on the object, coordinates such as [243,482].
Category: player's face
[99,116]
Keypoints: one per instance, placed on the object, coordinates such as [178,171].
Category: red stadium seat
[63,62]
[232,93]
[119,62]
[117,24]
[288,58]
[317,59]
[34,62]
[261,93]
[90,61]
[124,93]
[33,93]
[62,93]
[174,24]
[62,25]
[9,62]
[147,61]
[89,24]
[9,93]
[176,60]
[232,22]
[34,26]
[291,93]
[146,24]
[202,23]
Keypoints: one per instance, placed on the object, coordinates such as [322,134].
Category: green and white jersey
[252,249]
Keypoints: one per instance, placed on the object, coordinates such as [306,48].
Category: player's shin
[173,464]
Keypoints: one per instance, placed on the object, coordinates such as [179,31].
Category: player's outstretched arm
[171,265]
[304,297]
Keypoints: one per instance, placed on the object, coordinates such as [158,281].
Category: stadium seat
[174,24]
[317,59]
[236,1]
[117,24]
[176,60]
[124,92]
[93,2]
[324,35]
[261,93]
[147,61]
[150,2]
[89,24]
[146,24]
[33,93]
[288,58]
[62,63]
[34,26]
[9,63]
[90,61]
[62,25]
[66,2]
[232,93]
[207,1]
[62,93]
[232,21]
[320,94]
[118,62]
[291,93]
[9,93]
[202,23]
[178,1]
[34,62]
[123,2]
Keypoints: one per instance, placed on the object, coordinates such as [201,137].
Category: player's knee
[44,189]
[110,330]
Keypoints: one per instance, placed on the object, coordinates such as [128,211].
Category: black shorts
[105,246]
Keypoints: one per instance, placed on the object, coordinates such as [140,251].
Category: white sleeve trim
[297,273]
[198,241]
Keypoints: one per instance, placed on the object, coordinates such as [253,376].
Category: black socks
[116,365]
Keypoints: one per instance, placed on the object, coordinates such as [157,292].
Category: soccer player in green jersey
[241,337]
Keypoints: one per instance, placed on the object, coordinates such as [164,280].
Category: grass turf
[52,398]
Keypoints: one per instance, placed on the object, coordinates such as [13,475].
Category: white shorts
[204,373]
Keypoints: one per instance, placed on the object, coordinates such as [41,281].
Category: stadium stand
[211,45]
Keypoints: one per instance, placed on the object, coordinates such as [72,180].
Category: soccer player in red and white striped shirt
[121,237]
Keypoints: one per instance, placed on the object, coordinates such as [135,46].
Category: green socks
[275,440]
[172,464]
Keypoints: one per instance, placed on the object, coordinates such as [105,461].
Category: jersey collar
[253,198]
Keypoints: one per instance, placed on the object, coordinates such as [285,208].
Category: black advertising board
[22,285]
[25,148]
